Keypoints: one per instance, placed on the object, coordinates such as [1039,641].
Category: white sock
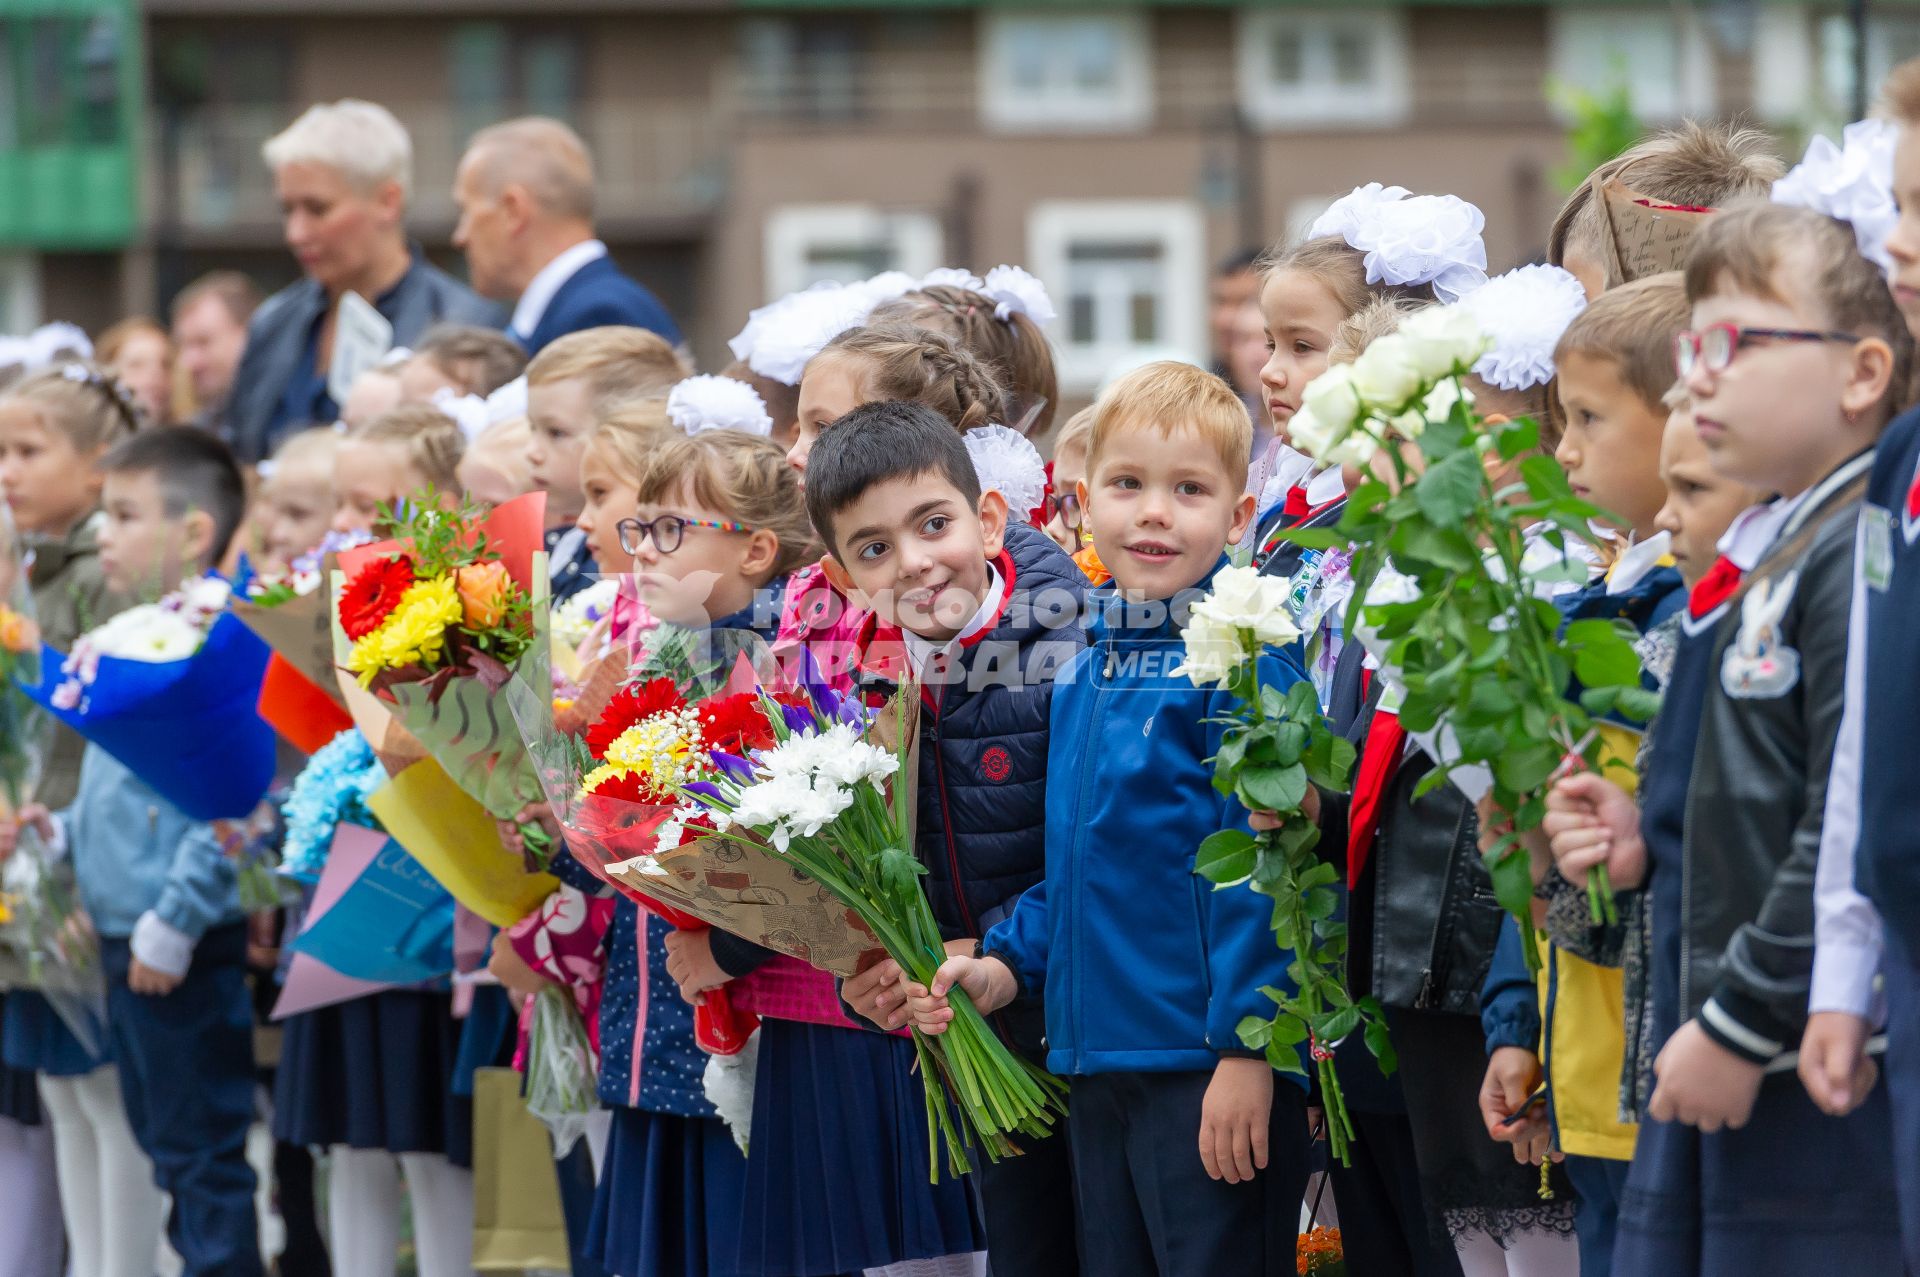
[363,1211]
[972,1265]
[32,1245]
[442,1195]
[1529,1254]
[130,1208]
[77,1161]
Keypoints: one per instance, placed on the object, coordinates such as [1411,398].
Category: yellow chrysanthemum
[662,751]
[414,634]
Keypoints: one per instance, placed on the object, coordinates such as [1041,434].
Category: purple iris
[705,789]
[733,766]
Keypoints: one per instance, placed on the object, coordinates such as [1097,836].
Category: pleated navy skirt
[19,1096]
[669,1196]
[838,1157]
[375,1072]
[36,1039]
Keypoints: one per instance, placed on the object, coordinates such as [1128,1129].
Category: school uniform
[1732,799]
[1145,971]
[1865,921]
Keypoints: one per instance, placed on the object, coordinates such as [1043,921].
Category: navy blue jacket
[1146,968]
[594,296]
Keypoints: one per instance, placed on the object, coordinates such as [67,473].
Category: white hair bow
[1411,239]
[1524,313]
[1852,182]
[718,403]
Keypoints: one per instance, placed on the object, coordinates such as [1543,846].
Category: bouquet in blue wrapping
[172,689]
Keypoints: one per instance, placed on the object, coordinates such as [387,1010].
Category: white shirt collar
[1752,533]
[920,651]
[533,303]
[1636,561]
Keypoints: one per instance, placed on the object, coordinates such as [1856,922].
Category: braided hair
[1014,348]
[82,401]
[901,361]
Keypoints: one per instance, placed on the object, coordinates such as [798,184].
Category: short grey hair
[360,140]
[544,155]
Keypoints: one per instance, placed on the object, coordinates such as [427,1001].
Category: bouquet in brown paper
[1644,236]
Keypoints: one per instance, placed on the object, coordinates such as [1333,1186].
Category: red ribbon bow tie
[1713,589]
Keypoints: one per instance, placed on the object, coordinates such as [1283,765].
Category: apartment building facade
[751,147]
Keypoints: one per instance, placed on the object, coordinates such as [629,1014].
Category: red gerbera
[372,593]
[629,705]
[736,724]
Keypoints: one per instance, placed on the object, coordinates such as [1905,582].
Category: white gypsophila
[1524,313]
[1852,182]
[1385,376]
[1212,651]
[1008,463]
[1246,600]
[1016,292]
[1440,341]
[707,402]
[674,827]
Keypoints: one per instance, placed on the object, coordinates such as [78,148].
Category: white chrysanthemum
[1008,463]
[1524,313]
[575,616]
[1015,292]
[857,763]
[148,634]
[718,403]
[1852,181]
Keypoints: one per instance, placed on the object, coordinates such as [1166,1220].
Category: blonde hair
[619,365]
[1632,327]
[501,448]
[88,406]
[925,367]
[1169,396]
[1014,348]
[1713,166]
[1376,319]
[479,360]
[626,439]
[1748,250]
[430,439]
[362,141]
[1077,433]
[741,476]
[316,443]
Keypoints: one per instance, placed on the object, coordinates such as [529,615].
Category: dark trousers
[1597,1185]
[1146,1205]
[1792,1192]
[1383,1219]
[1027,1205]
[1902,1084]
[186,1075]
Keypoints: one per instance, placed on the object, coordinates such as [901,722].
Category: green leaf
[1329,760]
[1380,1042]
[899,871]
[1284,1060]
[1516,438]
[1314,538]
[1273,788]
[1319,904]
[1526,768]
[1603,656]
[1451,487]
[1255,1033]
[1545,480]
[1337,1025]
[1513,883]
[1289,1030]
[1444,547]
[1487,696]
[1639,704]
[1600,700]
[1226,857]
[1289,741]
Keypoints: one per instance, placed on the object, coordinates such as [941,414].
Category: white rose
[1244,600]
[1328,410]
[1442,340]
[1213,651]
[1385,375]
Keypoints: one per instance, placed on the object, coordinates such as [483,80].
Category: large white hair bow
[718,403]
[1411,239]
[1852,181]
[1524,312]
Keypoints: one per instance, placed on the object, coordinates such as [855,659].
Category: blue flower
[331,790]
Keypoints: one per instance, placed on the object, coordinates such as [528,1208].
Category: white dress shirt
[533,303]
[921,652]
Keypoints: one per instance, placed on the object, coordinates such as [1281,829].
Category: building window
[1127,277]
[497,73]
[1660,55]
[1891,40]
[792,70]
[1084,71]
[1304,67]
[807,244]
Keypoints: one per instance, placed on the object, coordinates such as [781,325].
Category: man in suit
[525,191]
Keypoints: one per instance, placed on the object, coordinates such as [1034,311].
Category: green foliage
[1603,125]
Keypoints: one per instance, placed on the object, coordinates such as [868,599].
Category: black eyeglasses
[1714,347]
[667,531]
[1064,506]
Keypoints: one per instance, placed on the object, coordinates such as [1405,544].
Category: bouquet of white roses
[1468,633]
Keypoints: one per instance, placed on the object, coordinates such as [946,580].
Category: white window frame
[1572,31]
[1317,101]
[794,230]
[1053,226]
[1002,107]
[1785,75]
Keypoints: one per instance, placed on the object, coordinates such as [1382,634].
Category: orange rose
[16,632]
[485,589]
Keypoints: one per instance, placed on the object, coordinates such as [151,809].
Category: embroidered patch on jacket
[1758,665]
[996,765]
[1876,546]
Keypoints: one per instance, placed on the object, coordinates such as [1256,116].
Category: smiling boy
[1188,1159]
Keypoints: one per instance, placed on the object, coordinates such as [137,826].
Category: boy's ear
[196,540]
[993,522]
[837,574]
[1242,517]
[1869,378]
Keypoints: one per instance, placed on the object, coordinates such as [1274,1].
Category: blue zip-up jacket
[1145,968]
[134,851]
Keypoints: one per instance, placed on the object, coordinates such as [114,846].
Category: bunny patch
[1758,665]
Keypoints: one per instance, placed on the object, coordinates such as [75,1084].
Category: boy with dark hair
[981,614]
[160,889]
